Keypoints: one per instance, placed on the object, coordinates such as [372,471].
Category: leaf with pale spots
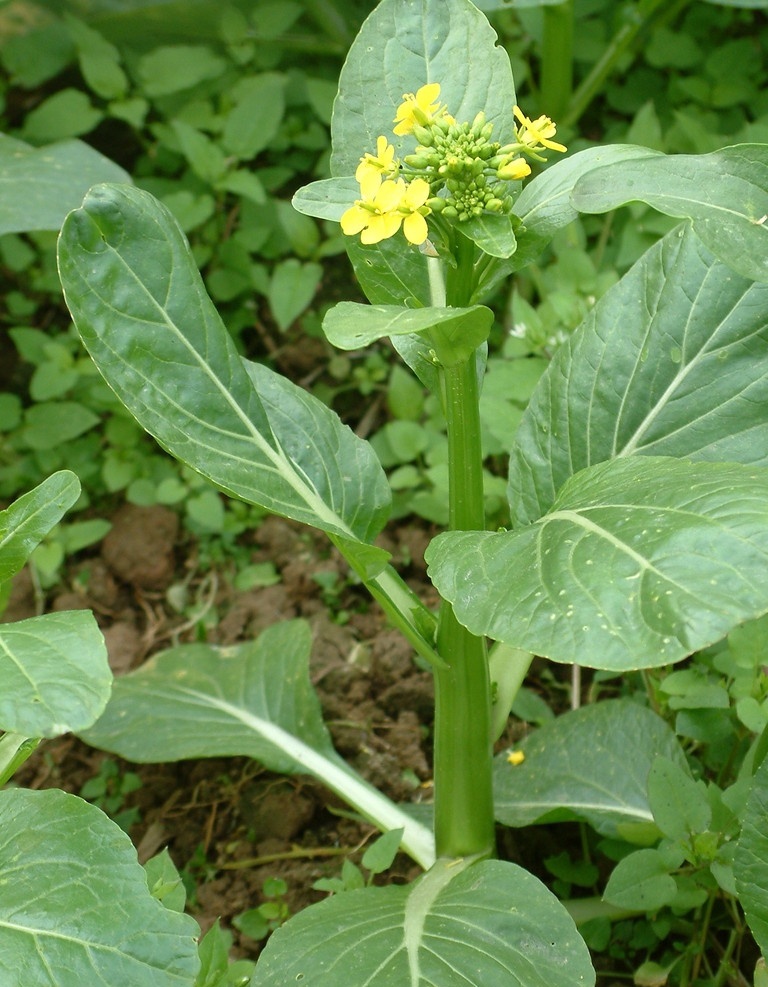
[639,562]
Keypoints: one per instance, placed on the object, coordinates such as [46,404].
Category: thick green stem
[464,818]
[557,59]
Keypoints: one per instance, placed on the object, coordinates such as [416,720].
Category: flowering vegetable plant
[638,501]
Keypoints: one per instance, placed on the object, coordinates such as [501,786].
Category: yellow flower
[422,108]
[515,757]
[536,134]
[385,207]
[381,163]
[514,170]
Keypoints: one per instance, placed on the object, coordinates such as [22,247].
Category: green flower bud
[423,135]
[437,203]
[419,161]
[478,123]
[494,205]
[450,211]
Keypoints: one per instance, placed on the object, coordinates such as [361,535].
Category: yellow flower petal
[390,195]
[415,228]
[370,183]
[354,220]
[417,193]
[381,228]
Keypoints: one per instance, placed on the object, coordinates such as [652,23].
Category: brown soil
[229,824]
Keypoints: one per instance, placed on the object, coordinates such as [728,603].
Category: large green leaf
[544,206]
[401,47]
[474,925]
[750,863]
[454,333]
[75,907]
[640,561]
[672,361]
[29,519]
[592,764]
[39,185]
[55,674]
[140,305]
[725,194]
[256,700]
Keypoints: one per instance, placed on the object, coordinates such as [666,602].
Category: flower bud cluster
[463,166]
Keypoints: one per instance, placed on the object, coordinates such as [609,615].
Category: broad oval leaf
[455,333]
[592,764]
[401,47]
[724,194]
[750,862]
[672,361]
[139,303]
[75,907]
[462,923]
[55,674]
[42,184]
[640,562]
[254,700]
[29,519]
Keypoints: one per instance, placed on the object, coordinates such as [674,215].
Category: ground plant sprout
[638,498]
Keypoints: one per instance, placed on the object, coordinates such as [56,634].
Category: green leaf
[454,333]
[67,113]
[291,289]
[687,349]
[750,863]
[327,199]
[164,881]
[391,272]
[254,700]
[75,907]
[724,194]
[29,519]
[172,68]
[641,882]
[99,60]
[253,121]
[461,923]
[545,206]
[381,853]
[51,423]
[139,303]
[494,234]
[39,185]
[591,763]
[401,47]
[639,562]
[679,804]
[55,674]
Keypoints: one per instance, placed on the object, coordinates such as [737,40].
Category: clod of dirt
[124,646]
[139,549]
[275,809]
